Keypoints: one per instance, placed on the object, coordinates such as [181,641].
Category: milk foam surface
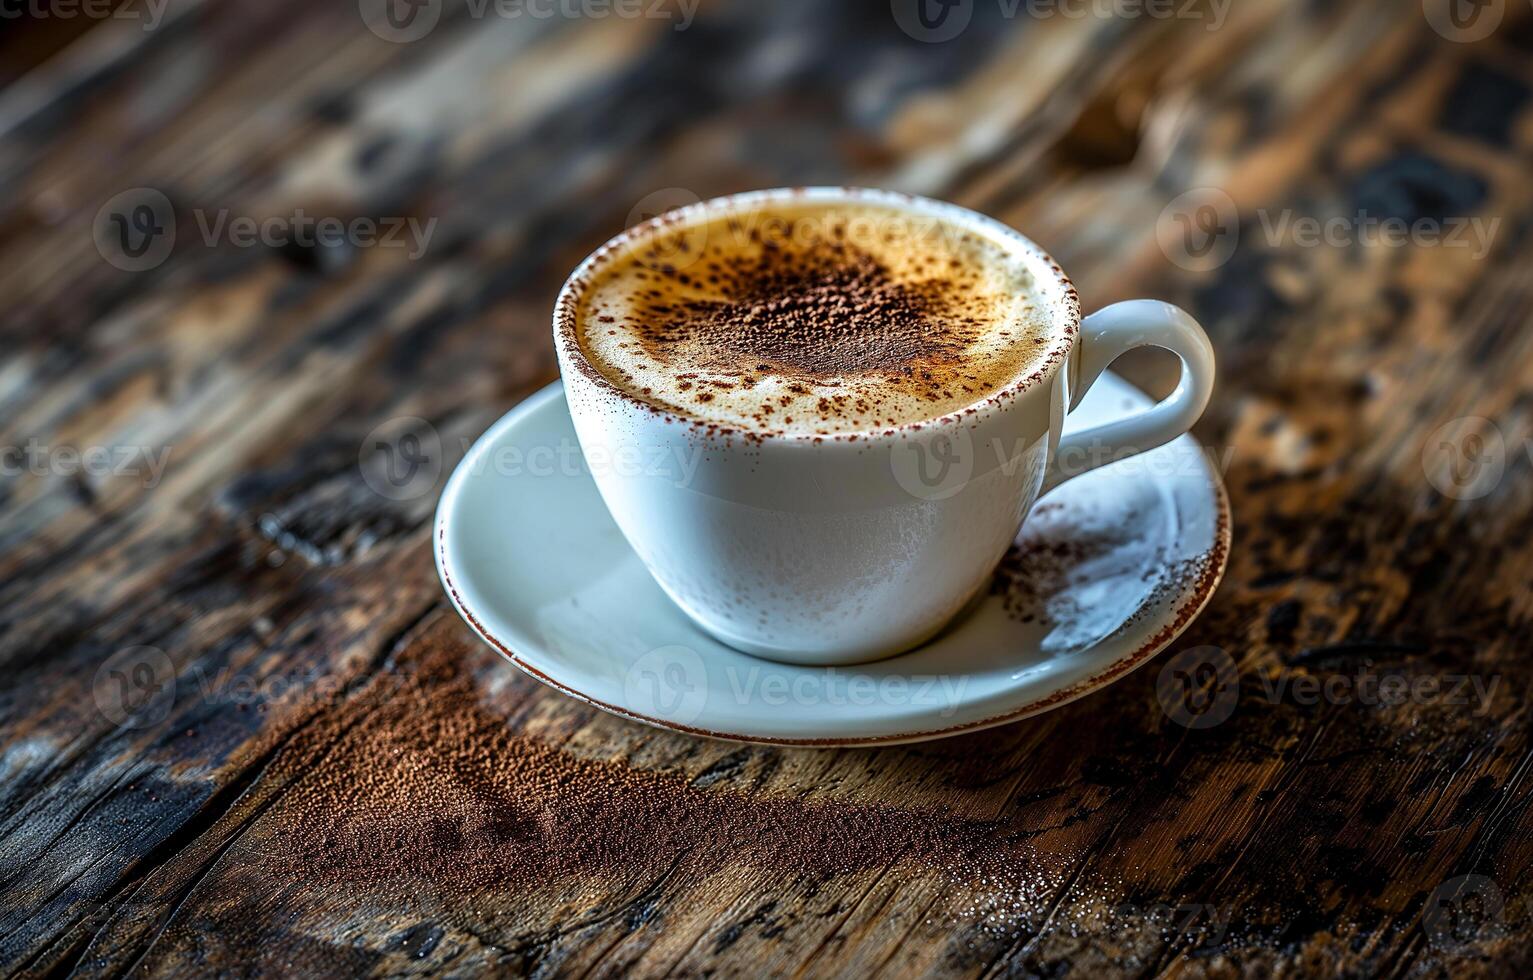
[819,318]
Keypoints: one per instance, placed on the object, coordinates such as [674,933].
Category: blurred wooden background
[270,809]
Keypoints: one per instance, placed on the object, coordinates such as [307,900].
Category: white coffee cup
[850,548]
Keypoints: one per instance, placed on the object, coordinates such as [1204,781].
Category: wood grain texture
[295,613]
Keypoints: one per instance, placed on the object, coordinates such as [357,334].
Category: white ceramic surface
[855,546]
[1113,567]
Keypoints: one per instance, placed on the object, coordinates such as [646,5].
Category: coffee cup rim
[1062,299]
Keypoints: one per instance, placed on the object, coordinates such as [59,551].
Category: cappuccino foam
[814,318]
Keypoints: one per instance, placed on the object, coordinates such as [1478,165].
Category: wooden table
[243,732]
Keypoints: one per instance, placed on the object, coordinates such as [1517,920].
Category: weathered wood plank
[340,780]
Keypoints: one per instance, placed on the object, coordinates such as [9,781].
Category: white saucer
[1120,560]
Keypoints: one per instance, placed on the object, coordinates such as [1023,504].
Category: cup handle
[1109,333]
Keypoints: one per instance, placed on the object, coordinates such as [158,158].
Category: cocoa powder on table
[432,786]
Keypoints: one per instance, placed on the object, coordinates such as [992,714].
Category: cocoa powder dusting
[433,790]
[824,312]
[824,321]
